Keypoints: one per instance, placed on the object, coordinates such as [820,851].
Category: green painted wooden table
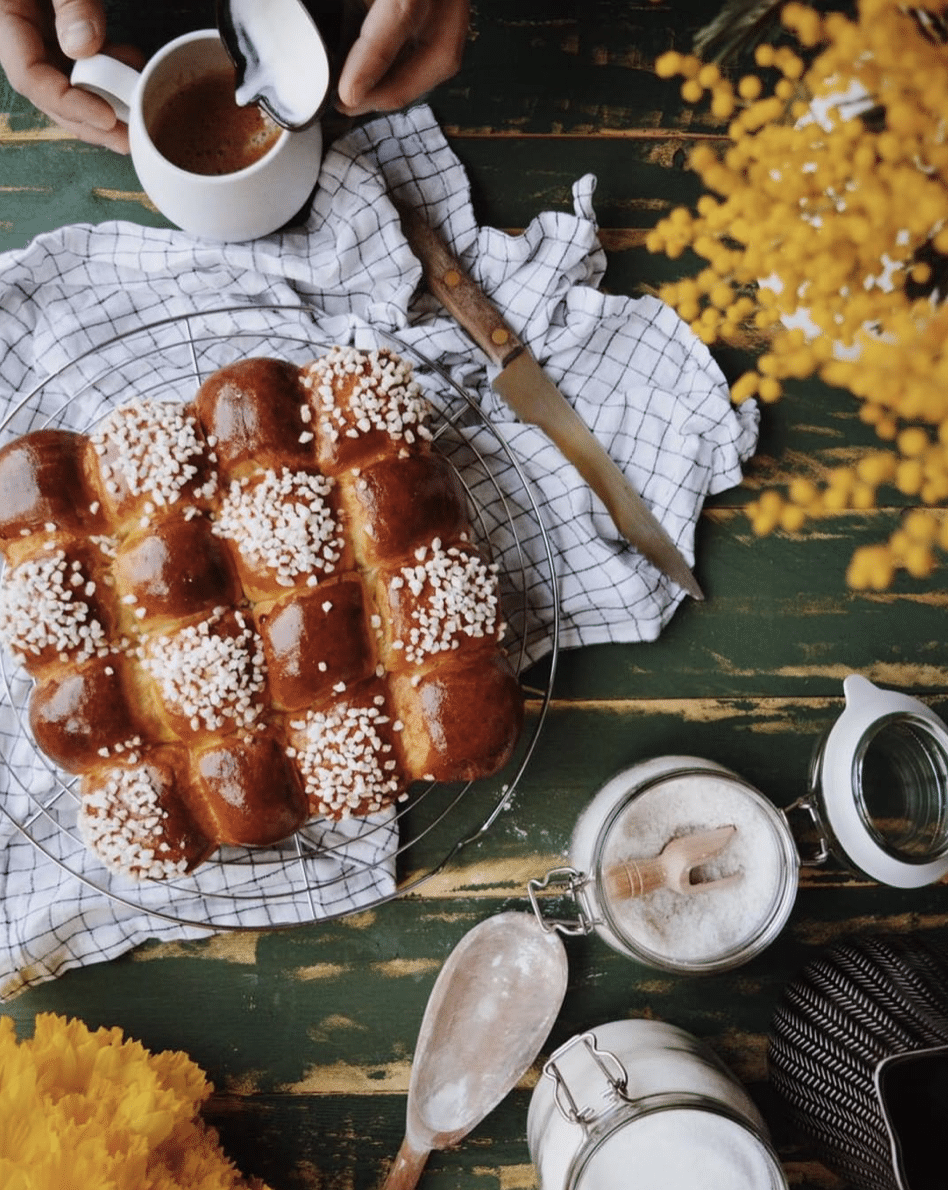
[308,1033]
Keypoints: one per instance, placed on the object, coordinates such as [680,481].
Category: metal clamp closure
[571,884]
[807,805]
[605,1065]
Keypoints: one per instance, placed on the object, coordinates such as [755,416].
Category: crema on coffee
[202,130]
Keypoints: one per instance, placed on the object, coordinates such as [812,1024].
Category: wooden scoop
[673,867]
[490,1010]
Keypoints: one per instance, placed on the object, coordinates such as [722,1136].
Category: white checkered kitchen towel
[649,390]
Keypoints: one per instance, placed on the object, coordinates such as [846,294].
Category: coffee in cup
[215,169]
[201,129]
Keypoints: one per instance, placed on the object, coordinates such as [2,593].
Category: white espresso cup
[241,205]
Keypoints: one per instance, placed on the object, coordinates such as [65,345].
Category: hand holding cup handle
[253,200]
[108,78]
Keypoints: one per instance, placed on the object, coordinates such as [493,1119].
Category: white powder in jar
[656,1109]
[681,1149]
[705,925]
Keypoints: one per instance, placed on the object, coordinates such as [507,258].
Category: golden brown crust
[267,601]
[173,571]
[252,412]
[398,504]
[317,644]
[245,791]
[43,486]
[83,716]
[457,720]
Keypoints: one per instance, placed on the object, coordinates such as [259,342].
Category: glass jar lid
[881,780]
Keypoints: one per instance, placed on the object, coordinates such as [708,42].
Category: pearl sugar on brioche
[251,609]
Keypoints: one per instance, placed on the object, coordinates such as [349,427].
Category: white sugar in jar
[642,1103]
[632,818]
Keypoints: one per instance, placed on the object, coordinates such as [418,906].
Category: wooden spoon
[673,867]
[490,1010]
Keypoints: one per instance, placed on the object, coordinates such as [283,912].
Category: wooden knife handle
[455,290]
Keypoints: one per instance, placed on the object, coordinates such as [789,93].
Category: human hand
[404,48]
[38,41]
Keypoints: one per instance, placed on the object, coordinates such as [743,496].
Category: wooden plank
[346,1148]
[70,180]
[540,68]
[559,67]
[45,185]
[308,1033]
[327,978]
[778,619]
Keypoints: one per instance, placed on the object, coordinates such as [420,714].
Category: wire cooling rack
[326,869]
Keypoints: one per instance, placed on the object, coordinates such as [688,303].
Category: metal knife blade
[535,399]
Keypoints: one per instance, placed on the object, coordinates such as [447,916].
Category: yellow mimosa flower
[93,1110]
[836,219]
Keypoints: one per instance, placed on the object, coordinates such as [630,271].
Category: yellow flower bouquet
[84,1110]
[824,226]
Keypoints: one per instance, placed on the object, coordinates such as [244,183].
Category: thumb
[80,26]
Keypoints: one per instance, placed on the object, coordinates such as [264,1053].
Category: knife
[535,399]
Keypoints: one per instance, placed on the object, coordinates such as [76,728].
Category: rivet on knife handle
[535,399]
[458,293]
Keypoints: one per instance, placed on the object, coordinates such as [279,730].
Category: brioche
[251,609]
